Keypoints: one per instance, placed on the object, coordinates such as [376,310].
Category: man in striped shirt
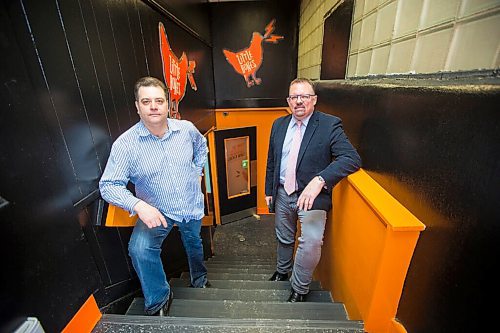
[164,159]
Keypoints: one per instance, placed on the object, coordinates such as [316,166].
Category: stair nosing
[231,322]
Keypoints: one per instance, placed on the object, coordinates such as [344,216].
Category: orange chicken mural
[247,62]
[176,72]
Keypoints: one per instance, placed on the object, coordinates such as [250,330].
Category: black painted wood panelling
[434,145]
[40,234]
[192,14]
[67,73]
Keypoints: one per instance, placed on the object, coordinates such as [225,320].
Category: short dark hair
[149,81]
[303,80]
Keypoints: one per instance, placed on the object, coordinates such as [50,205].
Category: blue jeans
[145,248]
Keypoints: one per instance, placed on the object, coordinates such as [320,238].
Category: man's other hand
[150,215]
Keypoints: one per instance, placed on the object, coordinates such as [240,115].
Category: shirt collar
[304,121]
[143,130]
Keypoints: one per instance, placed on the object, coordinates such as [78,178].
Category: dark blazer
[325,151]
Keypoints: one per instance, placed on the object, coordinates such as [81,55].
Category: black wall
[67,73]
[232,27]
[191,15]
[434,145]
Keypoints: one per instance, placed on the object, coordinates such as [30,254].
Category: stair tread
[240,256]
[233,276]
[240,263]
[126,324]
[242,270]
[271,266]
[269,310]
[255,295]
[243,259]
[243,284]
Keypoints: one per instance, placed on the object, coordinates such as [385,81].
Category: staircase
[240,300]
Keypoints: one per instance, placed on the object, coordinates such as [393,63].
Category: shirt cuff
[130,204]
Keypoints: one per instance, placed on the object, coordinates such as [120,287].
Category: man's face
[301,100]
[152,106]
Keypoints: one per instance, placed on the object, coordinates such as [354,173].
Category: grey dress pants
[312,226]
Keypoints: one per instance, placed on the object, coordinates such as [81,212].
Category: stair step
[256,295]
[136,308]
[243,270]
[241,256]
[209,265]
[256,310]
[232,276]
[131,324]
[253,260]
[244,284]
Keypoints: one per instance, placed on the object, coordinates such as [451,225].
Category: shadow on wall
[81,147]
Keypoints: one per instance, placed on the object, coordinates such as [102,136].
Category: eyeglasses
[304,98]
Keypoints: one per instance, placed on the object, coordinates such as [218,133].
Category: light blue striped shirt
[165,171]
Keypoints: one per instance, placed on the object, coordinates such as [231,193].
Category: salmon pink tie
[291,165]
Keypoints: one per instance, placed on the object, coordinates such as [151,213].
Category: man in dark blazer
[304,192]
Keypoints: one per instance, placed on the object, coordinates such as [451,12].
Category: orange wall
[369,241]
[263,119]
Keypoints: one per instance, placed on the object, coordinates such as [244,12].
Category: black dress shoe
[279,277]
[295,297]
[163,312]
